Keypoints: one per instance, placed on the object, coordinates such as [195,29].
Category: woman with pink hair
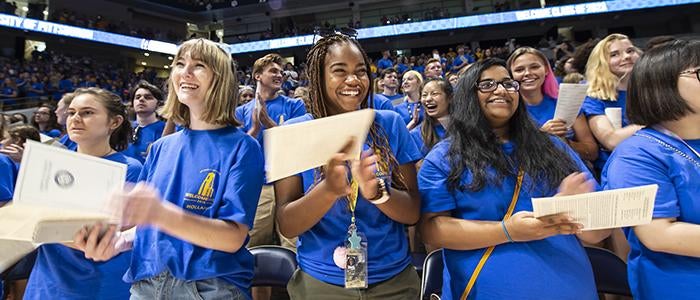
[539,90]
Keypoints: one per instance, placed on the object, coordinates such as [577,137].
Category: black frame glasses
[510,85]
[696,72]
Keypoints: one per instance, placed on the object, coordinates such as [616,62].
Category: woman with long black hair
[477,184]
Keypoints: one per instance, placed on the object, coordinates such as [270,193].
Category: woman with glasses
[45,121]
[490,166]
[97,122]
[350,217]
[665,255]
[607,72]
[539,91]
[145,98]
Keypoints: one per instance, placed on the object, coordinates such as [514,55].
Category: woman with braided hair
[350,223]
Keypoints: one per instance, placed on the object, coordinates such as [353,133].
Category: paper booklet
[57,192]
[603,210]
[569,101]
[295,148]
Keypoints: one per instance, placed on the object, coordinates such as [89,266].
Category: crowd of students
[449,162]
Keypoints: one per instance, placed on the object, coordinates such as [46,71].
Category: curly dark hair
[476,148]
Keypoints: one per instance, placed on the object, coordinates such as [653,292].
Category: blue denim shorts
[165,286]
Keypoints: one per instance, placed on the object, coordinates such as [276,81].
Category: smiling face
[434,100]
[346,80]
[433,70]
[410,83]
[623,55]
[88,120]
[191,79]
[271,77]
[144,102]
[499,105]
[530,71]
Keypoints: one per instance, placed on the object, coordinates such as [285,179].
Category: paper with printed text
[602,210]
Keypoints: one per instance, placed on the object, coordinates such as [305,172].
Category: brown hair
[260,64]
[120,137]
[220,100]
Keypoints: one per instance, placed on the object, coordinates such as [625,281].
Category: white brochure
[614,115]
[571,96]
[64,179]
[602,210]
[295,148]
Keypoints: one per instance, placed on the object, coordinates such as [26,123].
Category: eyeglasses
[696,72]
[488,86]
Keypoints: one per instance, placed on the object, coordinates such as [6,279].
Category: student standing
[97,122]
[145,98]
[197,204]
[490,166]
[336,212]
[539,90]
[409,108]
[665,255]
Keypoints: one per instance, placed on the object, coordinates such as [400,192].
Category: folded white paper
[569,101]
[295,148]
[602,210]
[57,192]
[64,179]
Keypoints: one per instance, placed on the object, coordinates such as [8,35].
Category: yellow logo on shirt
[206,189]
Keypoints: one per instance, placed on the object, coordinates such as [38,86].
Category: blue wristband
[505,230]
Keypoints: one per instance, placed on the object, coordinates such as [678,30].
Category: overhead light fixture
[166,67]
[24,8]
[146,54]
[170,58]
[143,63]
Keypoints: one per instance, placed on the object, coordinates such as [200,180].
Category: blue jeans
[165,286]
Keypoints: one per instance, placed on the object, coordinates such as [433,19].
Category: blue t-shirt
[544,111]
[384,63]
[54,133]
[460,60]
[215,174]
[593,107]
[8,177]
[382,102]
[66,141]
[648,157]
[419,68]
[282,106]
[387,244]
[553,268]
[145,136]
[401,68]
[405,109]
[61,272]
[418,137]
[37,86]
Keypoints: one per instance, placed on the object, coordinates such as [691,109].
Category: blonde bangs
[220,100]
[602,83]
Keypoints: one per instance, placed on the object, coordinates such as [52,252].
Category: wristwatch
[382,192]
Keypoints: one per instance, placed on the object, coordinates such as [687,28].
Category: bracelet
[505,230]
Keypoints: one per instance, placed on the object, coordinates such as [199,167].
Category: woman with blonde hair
[201,189]
[607,73]
[409,108]
[539,90]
